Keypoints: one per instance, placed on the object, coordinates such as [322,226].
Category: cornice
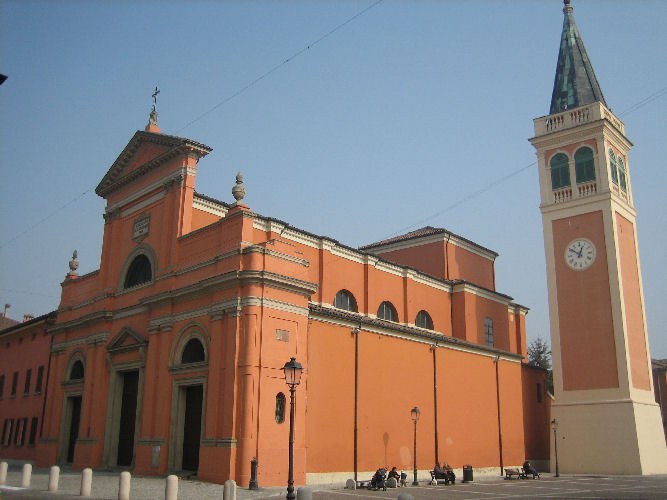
[92,340]
[207,205]
[464,286]
[114,178]
[442,237]
[382,327]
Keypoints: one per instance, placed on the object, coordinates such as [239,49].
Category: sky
[353,119]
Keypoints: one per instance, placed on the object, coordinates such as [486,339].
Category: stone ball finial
[74,263]
[238,191]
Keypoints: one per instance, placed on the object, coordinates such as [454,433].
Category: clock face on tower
[580,254]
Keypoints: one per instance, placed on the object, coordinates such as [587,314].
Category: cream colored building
[605,411]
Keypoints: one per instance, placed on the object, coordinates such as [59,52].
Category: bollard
[229,493]
[25,476]
[405,496]
[124,486]
[304,493]
[253,475]
[171,489]
[3,473]
[86,482]
[350,484]
[54,477]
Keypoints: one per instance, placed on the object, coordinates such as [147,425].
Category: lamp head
[414,413]
[292,370]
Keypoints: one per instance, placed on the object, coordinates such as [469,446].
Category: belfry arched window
[345,300]
[583,165]
[193,352]
[139,272]
[560,171]
[613,166]
[387,312]
[423,320]
[621,174]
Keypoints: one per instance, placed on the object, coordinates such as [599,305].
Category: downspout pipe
[355,332]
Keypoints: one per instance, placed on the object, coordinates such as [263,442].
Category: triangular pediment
[145,152]
[127,340]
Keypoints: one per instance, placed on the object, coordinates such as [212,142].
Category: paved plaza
[105,486]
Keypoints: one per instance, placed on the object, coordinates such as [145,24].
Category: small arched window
[387,312]
[560,171]
[193,352]
[613,166]
[621,174]
[345,300]
[424,320]
[280,408]
[139,272]
[76,372]
[488,332]
[583,165]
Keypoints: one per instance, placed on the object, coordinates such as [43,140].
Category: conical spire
[575,83]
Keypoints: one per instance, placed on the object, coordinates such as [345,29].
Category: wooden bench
[509,473]
[440,480]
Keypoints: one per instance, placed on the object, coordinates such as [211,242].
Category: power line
[644,102]
[464,199]
[280,65]
[640,104]
[221,103]
[43,220]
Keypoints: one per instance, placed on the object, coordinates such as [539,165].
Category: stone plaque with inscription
[141,227]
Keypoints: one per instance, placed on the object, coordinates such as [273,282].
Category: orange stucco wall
[584,330]
[255,297]
[444,259]
[632,300]
[23,348]
[394,376]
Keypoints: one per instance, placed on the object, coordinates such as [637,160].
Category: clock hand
[573,251]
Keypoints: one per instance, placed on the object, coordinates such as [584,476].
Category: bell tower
[608,421]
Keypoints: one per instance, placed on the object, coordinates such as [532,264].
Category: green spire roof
[575,83]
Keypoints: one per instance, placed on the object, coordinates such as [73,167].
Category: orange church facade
[169,357]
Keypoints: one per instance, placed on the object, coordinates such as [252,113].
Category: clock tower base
[609,437]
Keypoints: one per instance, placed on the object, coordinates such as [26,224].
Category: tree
[539,354]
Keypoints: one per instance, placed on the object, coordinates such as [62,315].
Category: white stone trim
[159,184]
[435,238]
[140,206]
[480,292]
[219,308]
[88,339]
[209,206]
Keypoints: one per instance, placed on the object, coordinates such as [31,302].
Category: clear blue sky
[400,118]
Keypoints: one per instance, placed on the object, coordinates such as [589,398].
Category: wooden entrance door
[192,426]
[75,417]
[128,414]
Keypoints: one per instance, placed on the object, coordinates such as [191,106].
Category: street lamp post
[292,370]
[414,413]
[554,426]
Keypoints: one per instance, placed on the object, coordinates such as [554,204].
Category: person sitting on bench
[439,472]
[529,469]
[450,476]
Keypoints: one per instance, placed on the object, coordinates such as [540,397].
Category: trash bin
[467,473]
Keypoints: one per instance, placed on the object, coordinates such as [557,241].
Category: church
[170,356]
